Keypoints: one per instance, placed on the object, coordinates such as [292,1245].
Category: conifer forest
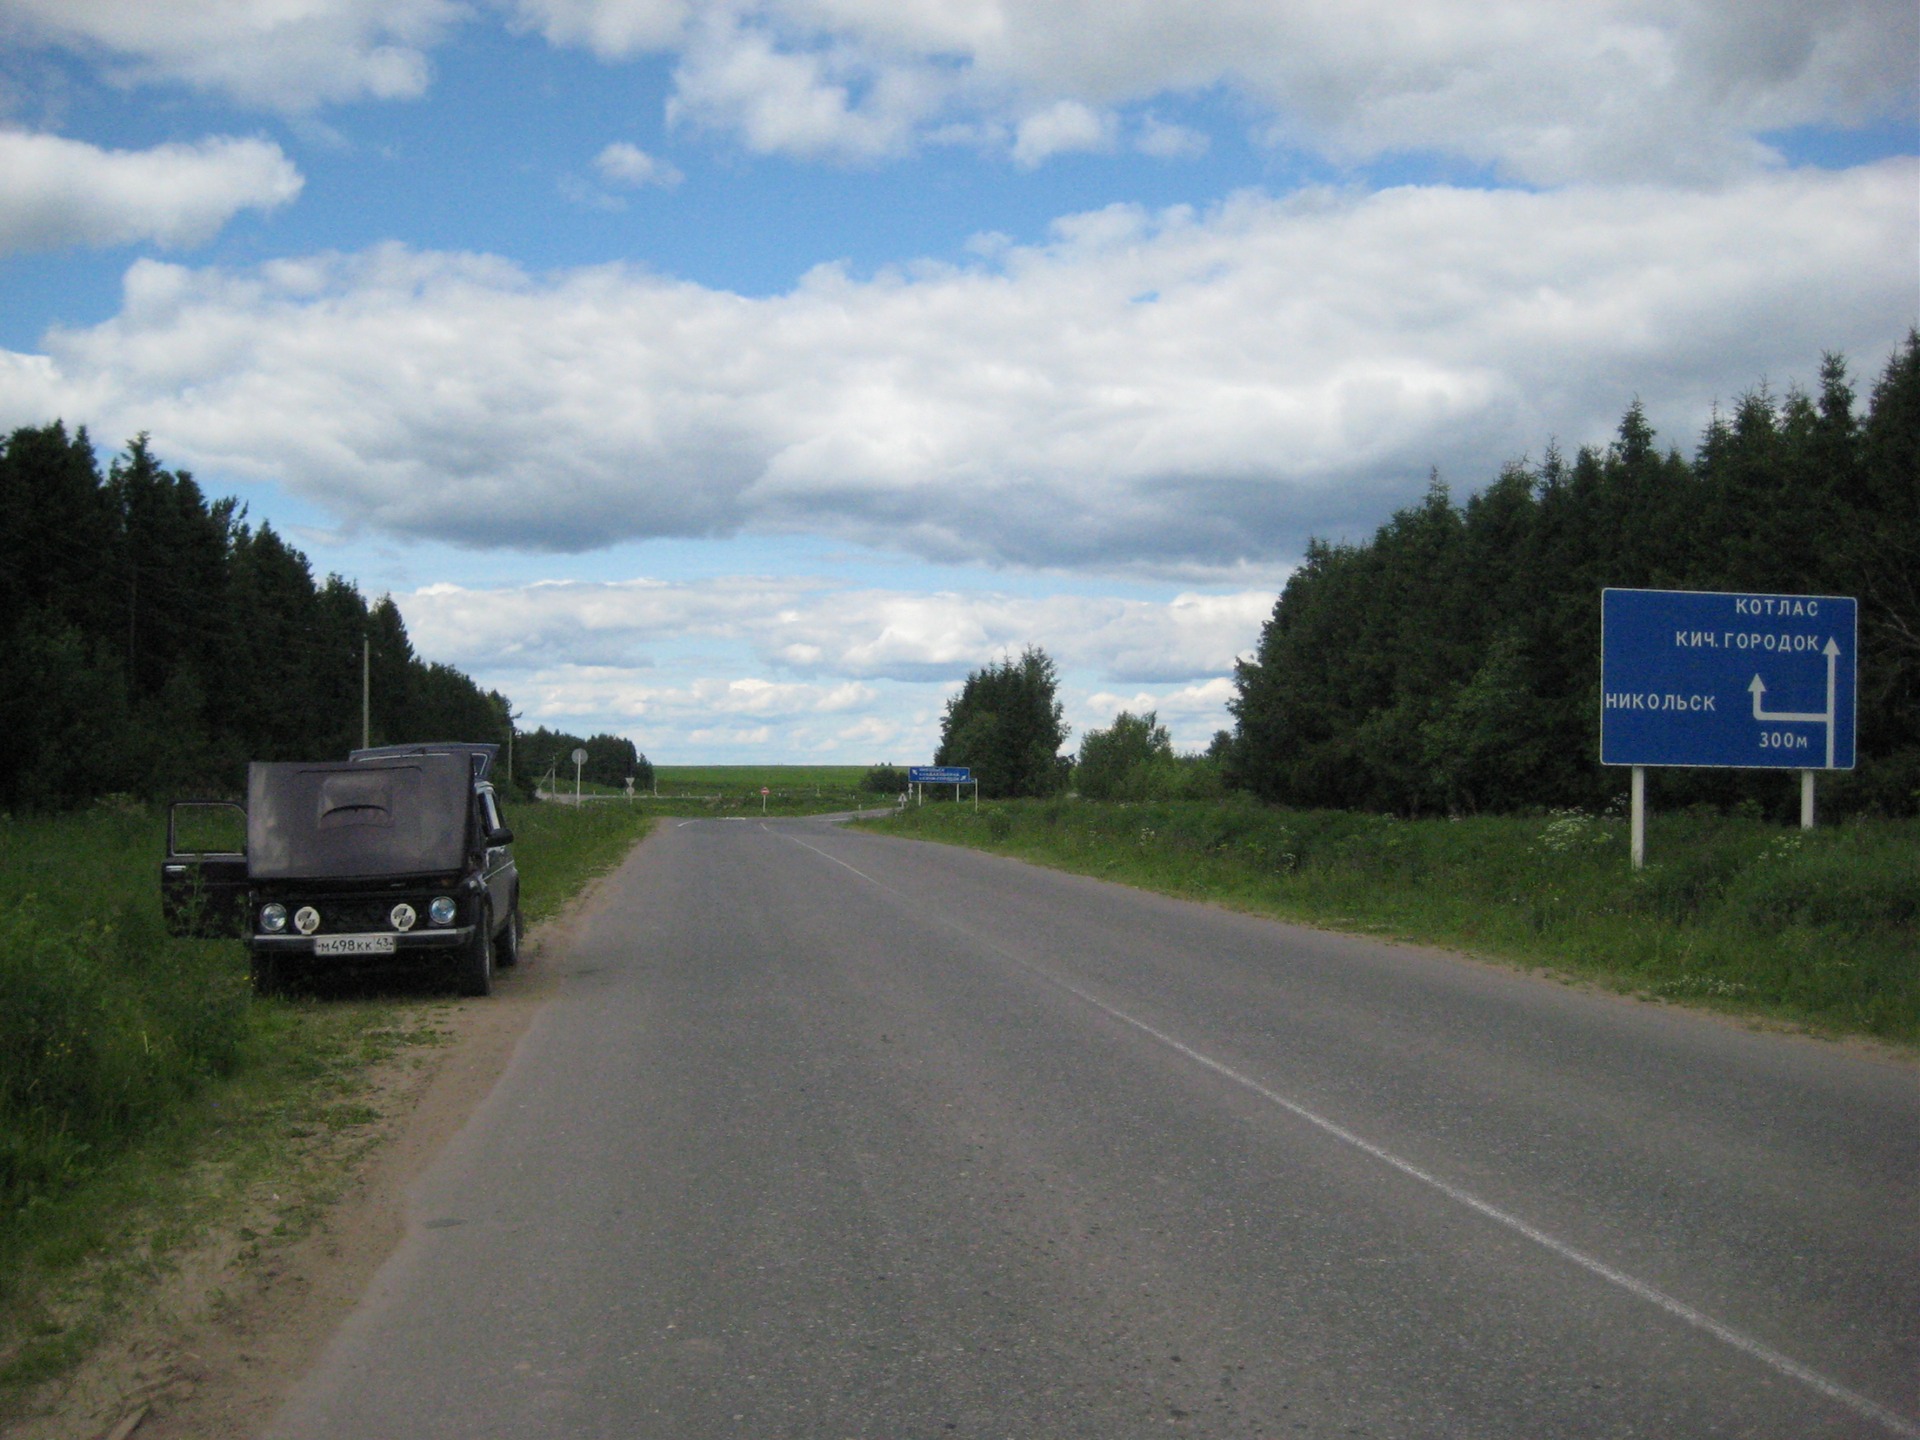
[152,642]
[1451,664]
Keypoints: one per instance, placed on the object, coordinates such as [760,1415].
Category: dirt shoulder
[236,1319]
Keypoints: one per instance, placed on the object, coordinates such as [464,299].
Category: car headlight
[306,919]
[442,910]
[403,916]
[273,918]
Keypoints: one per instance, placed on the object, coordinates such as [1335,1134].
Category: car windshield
[401,816]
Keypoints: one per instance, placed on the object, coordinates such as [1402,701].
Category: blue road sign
[1690,677]
[939,775]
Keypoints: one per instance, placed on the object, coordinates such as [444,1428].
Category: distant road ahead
[833,1135]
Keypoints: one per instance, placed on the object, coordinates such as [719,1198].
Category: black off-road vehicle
[394,856]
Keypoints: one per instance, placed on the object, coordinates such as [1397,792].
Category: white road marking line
[843,865]
[1871,1409]
[1760,1351]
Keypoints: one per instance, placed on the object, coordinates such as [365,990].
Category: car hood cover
[324,821]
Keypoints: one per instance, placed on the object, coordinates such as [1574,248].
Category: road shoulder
[210,1352]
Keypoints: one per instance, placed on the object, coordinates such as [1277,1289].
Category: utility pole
[366,693]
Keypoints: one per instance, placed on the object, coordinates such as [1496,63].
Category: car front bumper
[364,944]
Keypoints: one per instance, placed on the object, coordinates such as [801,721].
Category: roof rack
[480,755]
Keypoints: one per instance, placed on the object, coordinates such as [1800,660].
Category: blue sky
[739,376]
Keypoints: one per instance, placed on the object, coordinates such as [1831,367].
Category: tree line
[152,642]
[1451,664]
[611,759]
[1007,726]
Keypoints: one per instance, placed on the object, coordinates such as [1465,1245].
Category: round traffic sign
[579,757]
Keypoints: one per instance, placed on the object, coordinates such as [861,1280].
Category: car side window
[490,811]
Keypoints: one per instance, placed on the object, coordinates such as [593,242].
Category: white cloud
[616,693]
[268,53]
[812,667]
[727,716]
[830,102]
[611,29]
[56,192]
[624,164]
[1167,141]
[1063,126]
[1540,91]
[816,628]
[1178,394]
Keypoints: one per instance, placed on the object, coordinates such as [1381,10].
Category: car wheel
[474,975]
[508,953]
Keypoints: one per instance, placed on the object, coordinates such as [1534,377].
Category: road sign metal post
[1637,826]
[1726,680]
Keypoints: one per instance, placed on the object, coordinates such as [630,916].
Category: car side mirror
[502,836]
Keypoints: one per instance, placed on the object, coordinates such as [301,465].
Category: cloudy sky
[737,375]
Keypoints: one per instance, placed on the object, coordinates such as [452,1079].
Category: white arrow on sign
[1758,687]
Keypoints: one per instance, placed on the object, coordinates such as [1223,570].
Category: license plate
[353,945]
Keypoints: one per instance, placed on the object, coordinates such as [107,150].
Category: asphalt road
[833,1135]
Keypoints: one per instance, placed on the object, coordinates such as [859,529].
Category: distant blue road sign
[939,775]
[1690,677]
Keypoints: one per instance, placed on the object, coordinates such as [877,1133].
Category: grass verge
[147,1099]
[1820,928]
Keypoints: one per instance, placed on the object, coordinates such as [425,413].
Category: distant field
[707,781]
[709,789]
[737,779]
[713,789]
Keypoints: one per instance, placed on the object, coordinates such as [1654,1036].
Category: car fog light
[403,916]
[441,912]
[306,919]
[273,918]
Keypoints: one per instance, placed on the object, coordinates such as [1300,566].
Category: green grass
[74,1257]
[145,1093]
[106,1024]
[1819,927]
[559,848]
